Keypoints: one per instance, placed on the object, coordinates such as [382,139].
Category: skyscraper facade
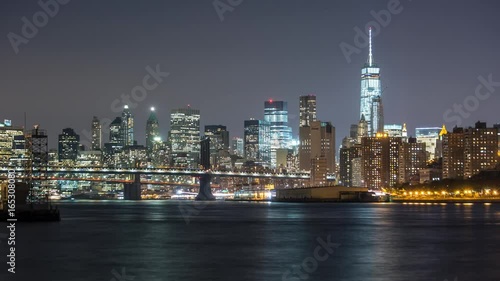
[68,145]
[219,136]
[256,140]
[116,132]
[219,145]
[8,136]
[238,146]
[127,126]
[480,148]
[412,158]
[152,131]
[307,110]
[453,154]
[276,114]
[348,153]
[394,130]
[96,134]
[317,141]
[429,136]
[380,160]
[371,92]
[184,137]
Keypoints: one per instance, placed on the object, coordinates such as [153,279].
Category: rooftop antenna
[370,56]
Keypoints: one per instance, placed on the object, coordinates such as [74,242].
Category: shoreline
[447,200]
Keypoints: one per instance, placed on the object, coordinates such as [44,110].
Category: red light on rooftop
[271,100]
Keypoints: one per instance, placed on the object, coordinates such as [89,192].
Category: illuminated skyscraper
[184,136]
[394,130]
[317,141]
[69,143]
[152,130]
[257,140]
[238,147]
[371,92]
[307,110]
[116,132]
[8,136]
[219,144]
[127,126]
[348,153]
[96,134]
[380,160]
[276,114]
[412,158]
[429,136]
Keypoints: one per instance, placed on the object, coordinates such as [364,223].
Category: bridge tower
[132,191]
[205,192]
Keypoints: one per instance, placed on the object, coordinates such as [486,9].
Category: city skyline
[413,82]
[262,139]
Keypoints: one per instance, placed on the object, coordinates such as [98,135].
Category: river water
[186,240]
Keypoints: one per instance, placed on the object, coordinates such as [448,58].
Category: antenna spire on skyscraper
[370,56]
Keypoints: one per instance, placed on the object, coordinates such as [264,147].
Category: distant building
[8,134]
[371,91]
[133,156]
[238,147]
[480,148]
[152,131]
[394,130]
[412,158]
[91,158]
[429,136]
[219,145]
[69,142]
[276,114]
[218,134]
[257,140]
[316,141]
[380,160]
[127,126]
[184,137]
[377,113]
[466,152]
[96,134]
[427,175]
[348,152]
[116,132]
[362,129]
[307,110]
[283,157]
[497,126]
[353,132]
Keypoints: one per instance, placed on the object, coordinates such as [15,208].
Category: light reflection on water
[260,241]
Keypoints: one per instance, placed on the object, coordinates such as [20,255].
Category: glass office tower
[276,114]
[371,92]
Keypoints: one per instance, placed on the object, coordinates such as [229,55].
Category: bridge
[157,171]
[132,188]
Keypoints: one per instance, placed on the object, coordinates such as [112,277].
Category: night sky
[431,55]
